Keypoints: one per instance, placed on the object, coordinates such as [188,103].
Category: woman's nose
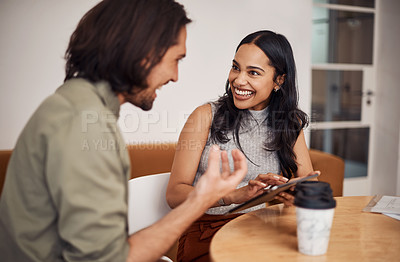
[240,80]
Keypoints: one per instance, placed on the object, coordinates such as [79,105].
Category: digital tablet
[268,194]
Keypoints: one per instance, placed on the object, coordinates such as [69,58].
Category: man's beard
[140,99]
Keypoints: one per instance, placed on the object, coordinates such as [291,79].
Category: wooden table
[269,234]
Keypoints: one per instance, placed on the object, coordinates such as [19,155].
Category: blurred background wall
[35,34]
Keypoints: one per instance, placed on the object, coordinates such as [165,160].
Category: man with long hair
[64,198]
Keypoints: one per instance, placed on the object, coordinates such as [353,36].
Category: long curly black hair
[285,119]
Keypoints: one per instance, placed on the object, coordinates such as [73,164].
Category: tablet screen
[268,195]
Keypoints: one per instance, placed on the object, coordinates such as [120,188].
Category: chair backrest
[332,169]
[147,203]
[4,159]
[143,157]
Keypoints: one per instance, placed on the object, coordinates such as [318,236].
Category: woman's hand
[287,197]
[254,188]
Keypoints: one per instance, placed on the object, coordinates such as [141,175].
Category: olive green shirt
[65,194]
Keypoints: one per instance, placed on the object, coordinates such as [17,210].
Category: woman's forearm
[177,194]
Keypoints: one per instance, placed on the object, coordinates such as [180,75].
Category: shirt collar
[259,115]
[108,96]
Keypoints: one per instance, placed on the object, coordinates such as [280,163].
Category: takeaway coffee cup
[315,207]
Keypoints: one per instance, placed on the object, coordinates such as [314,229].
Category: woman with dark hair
[259,115]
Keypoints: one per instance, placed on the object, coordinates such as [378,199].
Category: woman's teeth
[243,92]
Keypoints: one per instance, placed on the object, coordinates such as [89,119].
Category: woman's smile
[243,94]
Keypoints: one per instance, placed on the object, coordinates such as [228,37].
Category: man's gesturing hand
[215,184]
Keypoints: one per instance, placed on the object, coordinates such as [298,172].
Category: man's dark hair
[120,41]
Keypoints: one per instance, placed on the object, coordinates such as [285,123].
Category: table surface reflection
[269,234]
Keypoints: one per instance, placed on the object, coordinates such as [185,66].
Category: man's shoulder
[65,105]
[79,94]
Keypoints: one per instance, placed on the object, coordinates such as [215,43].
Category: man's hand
[254,188]
[215,184]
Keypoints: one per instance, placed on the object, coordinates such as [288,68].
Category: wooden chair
[147,159]
[332,170]
[4,158]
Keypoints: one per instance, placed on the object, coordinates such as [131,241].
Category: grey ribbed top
[253,135]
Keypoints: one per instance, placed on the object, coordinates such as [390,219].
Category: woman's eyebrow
[255,67]
[249,67]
